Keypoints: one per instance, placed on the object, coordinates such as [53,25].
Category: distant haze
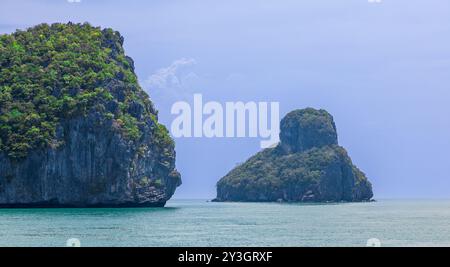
[381,69]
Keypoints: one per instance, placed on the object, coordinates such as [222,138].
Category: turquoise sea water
[200,223]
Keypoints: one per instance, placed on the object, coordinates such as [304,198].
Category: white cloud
[168,77]
[174,80]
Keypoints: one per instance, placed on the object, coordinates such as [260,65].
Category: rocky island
[307,165]
[76,129]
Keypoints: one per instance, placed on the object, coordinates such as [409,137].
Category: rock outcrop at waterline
[307,166]
[76,129]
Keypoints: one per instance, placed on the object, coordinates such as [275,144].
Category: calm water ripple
[200,223]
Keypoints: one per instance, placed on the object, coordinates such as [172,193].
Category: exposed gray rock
[94,166]
[305,129]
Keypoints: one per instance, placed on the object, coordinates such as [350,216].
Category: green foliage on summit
[54,72]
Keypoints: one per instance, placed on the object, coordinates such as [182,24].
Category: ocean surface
[201,223]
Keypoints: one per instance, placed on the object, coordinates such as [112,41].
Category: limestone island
[76,129]
[307,165]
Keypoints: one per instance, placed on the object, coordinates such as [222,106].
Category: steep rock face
[307,166]
[100,147]
[303,130]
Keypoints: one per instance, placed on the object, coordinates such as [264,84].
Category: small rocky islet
[307,165]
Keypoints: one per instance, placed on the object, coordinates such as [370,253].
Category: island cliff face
[307,166]
[76,129]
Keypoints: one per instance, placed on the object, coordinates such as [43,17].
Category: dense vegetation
[54,72]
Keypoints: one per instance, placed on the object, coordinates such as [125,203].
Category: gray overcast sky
[382,70]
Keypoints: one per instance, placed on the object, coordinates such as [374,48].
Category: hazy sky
[382,70]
